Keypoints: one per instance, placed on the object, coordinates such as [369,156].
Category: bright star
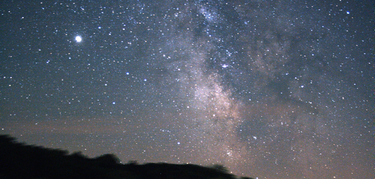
[78,38]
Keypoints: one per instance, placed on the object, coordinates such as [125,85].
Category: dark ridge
[18,160]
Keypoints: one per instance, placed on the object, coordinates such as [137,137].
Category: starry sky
[269,89]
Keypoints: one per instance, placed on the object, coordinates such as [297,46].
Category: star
[78,39]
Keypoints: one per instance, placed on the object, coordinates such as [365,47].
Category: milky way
[267,89]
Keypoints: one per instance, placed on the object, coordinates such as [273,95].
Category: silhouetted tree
[220,168]
[107,160]
[246,178]
[132,162]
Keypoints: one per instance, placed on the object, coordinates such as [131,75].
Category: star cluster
[269,89]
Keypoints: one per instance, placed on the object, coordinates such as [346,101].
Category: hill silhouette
[18,160]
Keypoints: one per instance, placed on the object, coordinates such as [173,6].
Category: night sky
[269,89]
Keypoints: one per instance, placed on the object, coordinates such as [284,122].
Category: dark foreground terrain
[19,160]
